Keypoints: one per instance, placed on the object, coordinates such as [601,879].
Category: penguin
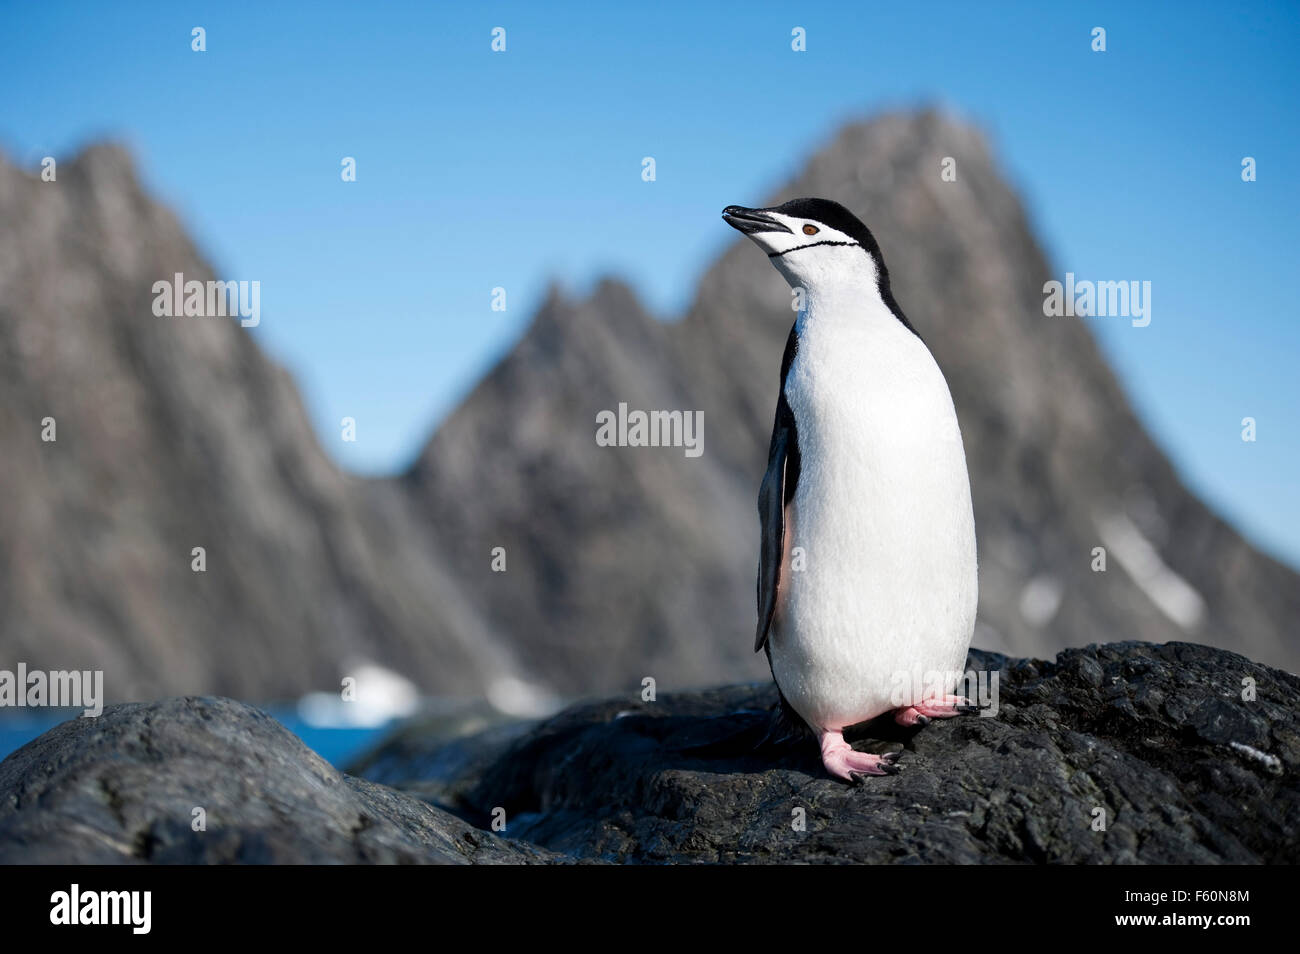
[867,579]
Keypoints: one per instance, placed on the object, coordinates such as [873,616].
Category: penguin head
[812,242]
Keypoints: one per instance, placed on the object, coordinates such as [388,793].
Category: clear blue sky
[478,169]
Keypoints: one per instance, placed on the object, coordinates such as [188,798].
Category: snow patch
[1270,762]
[1171,594]
[1040,599]
[381,696]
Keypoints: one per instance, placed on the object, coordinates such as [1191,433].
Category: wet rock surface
[1155,742]
[1124,753]
[124,787]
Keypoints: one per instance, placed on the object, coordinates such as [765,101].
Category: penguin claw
[942,708]
[884,768]
[891,766]
[842,761]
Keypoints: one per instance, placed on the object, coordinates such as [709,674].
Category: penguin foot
[922,713]
[843,761]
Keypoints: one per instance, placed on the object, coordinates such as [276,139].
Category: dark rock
[1204,777]
[691,778]
[438,761]
[123,787]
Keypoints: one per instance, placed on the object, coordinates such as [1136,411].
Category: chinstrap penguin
[866,477]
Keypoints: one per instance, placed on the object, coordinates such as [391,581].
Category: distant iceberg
[374,697]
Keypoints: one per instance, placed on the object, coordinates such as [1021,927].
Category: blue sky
[477,169]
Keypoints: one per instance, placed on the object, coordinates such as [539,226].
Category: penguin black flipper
[774,495]
[771,512]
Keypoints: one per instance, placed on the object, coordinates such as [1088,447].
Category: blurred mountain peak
[108,157]
[518,550]
[650,556]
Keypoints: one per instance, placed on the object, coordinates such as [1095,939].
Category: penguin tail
[785,726]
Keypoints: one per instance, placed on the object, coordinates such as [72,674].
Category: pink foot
[843,762]
[921,714]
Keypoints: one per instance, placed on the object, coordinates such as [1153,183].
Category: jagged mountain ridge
[622,562]
[1059,463]
[175,433]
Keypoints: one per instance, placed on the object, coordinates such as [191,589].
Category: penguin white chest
[878,591]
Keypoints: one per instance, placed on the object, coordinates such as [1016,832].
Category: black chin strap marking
[810,245]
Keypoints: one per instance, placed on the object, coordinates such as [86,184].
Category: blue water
[17,732]
[336,746]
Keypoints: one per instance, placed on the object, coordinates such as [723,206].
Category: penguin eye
[810,230]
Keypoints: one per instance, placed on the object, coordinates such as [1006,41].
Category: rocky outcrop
[125,787]
[1122,753]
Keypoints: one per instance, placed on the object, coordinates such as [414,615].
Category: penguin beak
[751,221]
